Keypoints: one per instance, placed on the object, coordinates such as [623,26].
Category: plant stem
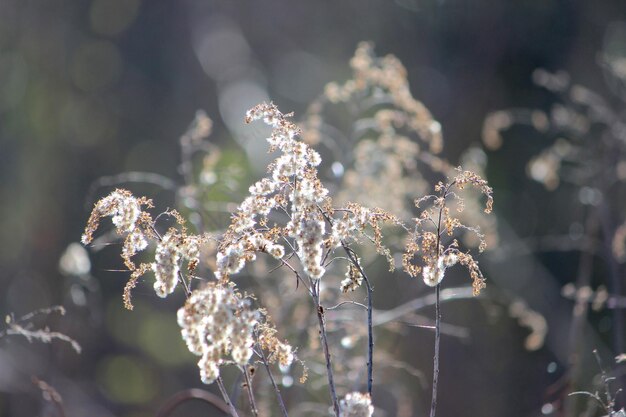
[433,404]
[255,411]
[370,337]
[324,338]
[579,314]
[231,407]
[615,283]
[49,392]
[370,327]
[610,401]
[279,396]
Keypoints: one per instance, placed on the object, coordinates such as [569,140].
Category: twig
[43,335]
[346,302]
[329,366]
[231,408]
[608,230]
[279,396]
[433,404]
[580,309]
[255,411]
[370,327]
[610,401]
[448,294]
[48,310]
[192,394]
[594,396]
[49,393]
[370,334]
[298,276]
[445,328]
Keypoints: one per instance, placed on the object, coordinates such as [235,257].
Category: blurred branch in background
[585,160]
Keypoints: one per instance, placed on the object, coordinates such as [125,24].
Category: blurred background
[94,89]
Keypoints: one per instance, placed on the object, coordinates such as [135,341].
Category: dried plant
[28,327]
[25,326]
[436,255]
[436,223]
[606,399]
[393,138]
[290,224]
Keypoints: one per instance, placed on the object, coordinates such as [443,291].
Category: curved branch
[192,394]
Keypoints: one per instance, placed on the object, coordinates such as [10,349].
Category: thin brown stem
[370,336]
[297,274]
[231,408]
[324,338]
[279,396]
[433,404]
[50,394]
[579,313]
[253,407]
[615,278]
[370,327]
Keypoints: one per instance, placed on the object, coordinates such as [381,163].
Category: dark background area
[96,88]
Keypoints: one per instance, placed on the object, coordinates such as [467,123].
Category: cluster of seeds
[129,219]
[217,322]
[353,279]
[293,187]
[173,247]
[356,404]
[138,227]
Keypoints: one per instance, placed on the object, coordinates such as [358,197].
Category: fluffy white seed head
[216,323]
[356,404]
[166,264]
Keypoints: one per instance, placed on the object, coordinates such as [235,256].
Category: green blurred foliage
[127,379]
[150,330]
